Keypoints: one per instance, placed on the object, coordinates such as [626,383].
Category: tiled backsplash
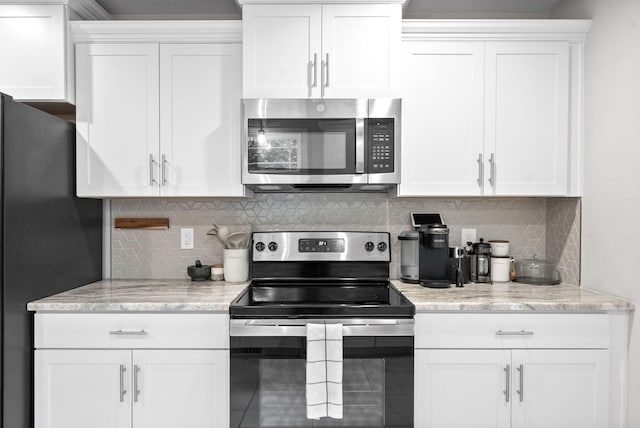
[563,237]
[525,222]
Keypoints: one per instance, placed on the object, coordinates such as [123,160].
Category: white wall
[611,202]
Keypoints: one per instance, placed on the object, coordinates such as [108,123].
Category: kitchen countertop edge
[186,296]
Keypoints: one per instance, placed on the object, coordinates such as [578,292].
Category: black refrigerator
[51,240]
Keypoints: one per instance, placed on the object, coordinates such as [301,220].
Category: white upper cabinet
[117,118]
[492,117]
[442,118]
[200,120]
[158,119]
[279,47]
[34,52]
[527,118]
[314,50]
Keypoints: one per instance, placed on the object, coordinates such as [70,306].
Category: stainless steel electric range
[321,278]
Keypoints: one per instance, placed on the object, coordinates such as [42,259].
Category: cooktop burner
[321,275]
[321,299]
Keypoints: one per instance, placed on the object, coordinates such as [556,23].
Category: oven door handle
[378,327]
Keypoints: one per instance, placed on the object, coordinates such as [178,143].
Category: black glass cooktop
[321,299]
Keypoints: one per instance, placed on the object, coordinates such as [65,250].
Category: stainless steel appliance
[302,278]
[321,144]
[51,240]
[410,256]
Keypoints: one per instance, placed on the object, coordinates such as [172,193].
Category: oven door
[268,361]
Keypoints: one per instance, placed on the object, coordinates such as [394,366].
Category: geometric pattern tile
[563,237]
[156,254]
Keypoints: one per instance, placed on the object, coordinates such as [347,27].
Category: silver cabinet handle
[324,74]
[514,333]
[315,70]
[128,332]
[162,170]
[480,170]
[521,390]
[313,74]
[507,388]
[492,175]
[136,390]
[123,391]
[152,180]
[326,80]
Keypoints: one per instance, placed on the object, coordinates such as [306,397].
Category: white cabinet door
[442,118]
[181,388]
[33,51]
[560,388]
[279,43]
[117,116]
[200,90]
[462,388]
[527,118]
[80,389]
[360,50]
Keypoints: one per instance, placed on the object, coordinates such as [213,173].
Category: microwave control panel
[380,158]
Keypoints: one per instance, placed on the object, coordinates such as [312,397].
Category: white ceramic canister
[499,248]
[500,269]
[236,264]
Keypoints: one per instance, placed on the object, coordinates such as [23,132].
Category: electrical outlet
[186,238]
[468,235]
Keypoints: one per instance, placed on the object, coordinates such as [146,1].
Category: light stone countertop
[144,295]
[209,296]
[511,297]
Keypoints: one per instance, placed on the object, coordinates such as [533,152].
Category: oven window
[268,383]
[301,146]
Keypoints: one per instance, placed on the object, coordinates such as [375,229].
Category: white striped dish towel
[324,371]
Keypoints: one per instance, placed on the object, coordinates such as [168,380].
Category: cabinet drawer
[508,330]
[130,331]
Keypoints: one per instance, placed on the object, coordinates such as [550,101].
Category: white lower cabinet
[82,388]
[181,388]
[138,387]
[504,371]
[519,388]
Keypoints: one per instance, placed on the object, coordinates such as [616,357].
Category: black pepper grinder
[458,254]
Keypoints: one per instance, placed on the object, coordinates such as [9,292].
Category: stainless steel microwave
[321,144]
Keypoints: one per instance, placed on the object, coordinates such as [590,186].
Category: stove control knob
[382,246]
[369,246]
[273,246]
[260,246]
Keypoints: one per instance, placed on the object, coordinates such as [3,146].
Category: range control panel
[321,246]
[381,142]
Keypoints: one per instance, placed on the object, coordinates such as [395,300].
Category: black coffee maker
[434,256]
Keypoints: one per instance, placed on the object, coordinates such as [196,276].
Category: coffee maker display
[434,256]
[481,262]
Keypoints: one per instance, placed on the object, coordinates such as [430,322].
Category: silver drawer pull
[128,332]
[514,333]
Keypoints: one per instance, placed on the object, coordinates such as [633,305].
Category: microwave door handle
[360,146]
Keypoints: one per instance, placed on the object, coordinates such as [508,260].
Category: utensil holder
[236,264]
